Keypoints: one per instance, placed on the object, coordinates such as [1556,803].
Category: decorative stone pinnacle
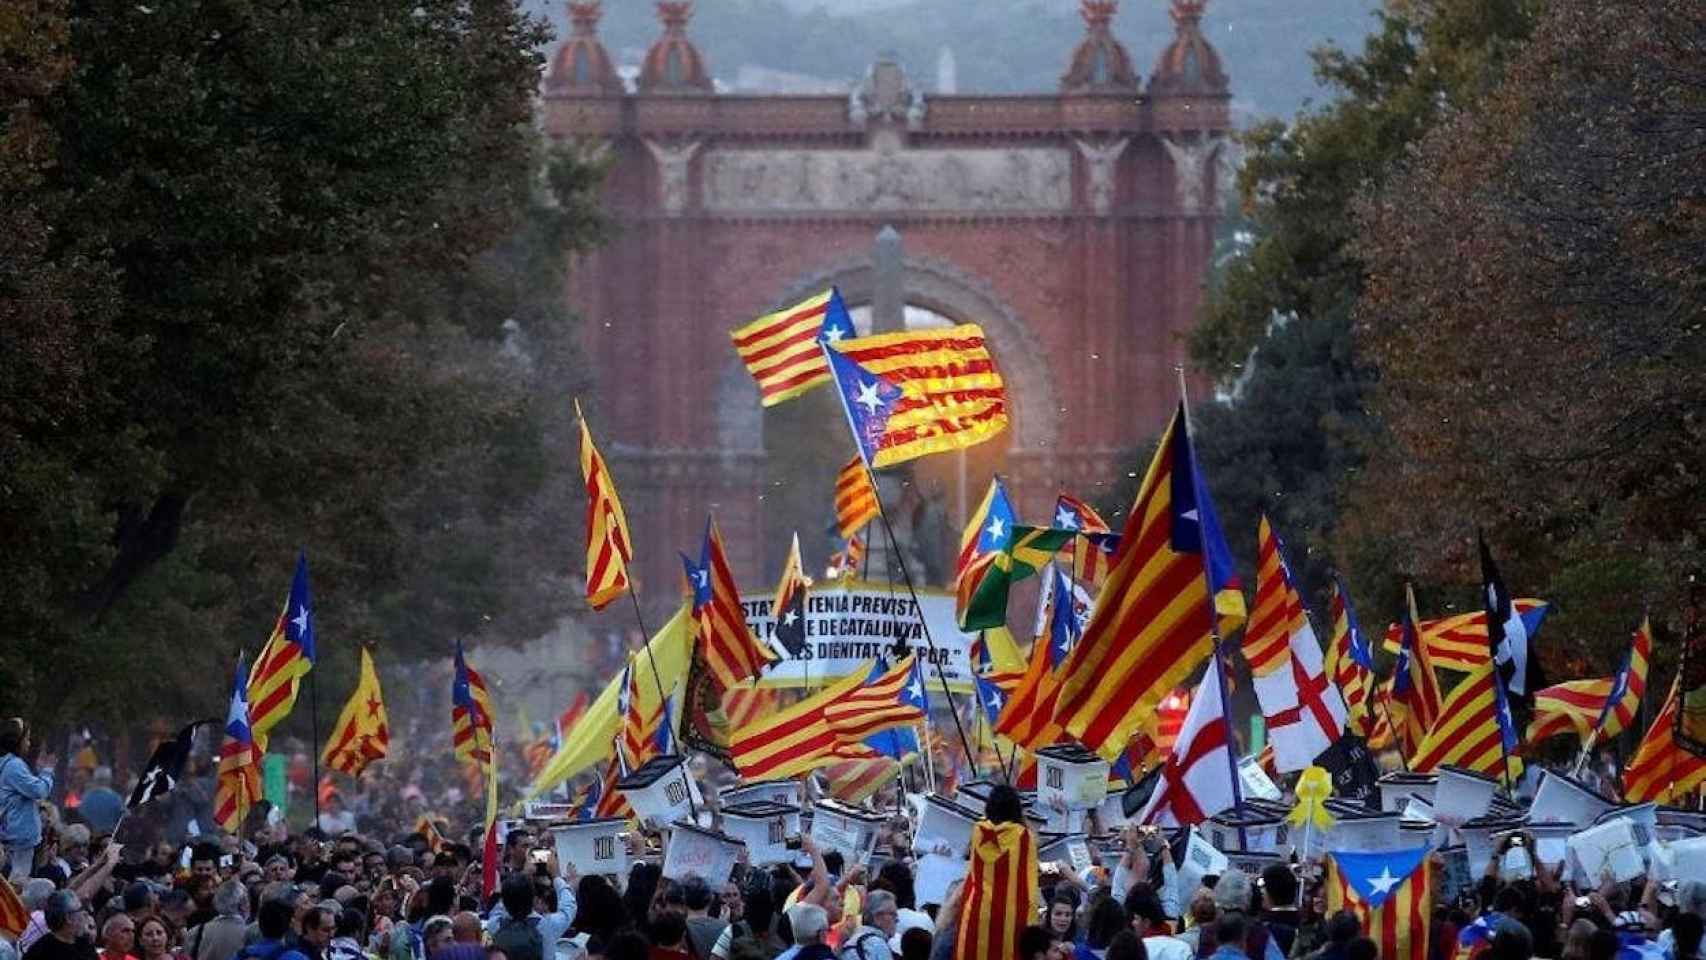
[1188,11]
[675,13]
[1099,13]
[585,14]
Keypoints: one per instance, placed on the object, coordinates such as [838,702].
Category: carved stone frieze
[787,181]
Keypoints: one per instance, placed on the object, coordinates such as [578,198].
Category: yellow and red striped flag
[1662,771]
[1459,642]
[794,741]
[888,699]
[286,658]
[362,734]
[951,396]
[857,780]
[746,703]
[1267,638]
[1414,700]
[1000,897]
[730,652]
[855,498]
[238,787]
[781,349]
[609,549]
[1350,663]
[1028,718]
[470,714]
[1155,618]
[13,917]
[1390,893]
[610,801]
[1597,708]
[1469,732]
[845,562]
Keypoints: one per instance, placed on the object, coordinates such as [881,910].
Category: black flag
[165,767]
[1507,635]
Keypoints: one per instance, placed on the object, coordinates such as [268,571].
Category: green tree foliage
[1536,309]
[289,274]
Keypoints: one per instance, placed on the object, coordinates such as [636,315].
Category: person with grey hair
[810,924]
[34,897]
[223,936]
[871,940]
[70,930]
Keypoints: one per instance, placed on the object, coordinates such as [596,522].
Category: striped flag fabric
[892,697]
[645,731]
[1663,772]
[609,549]
[857,780]
[1304,712]
[1459,642]
[1414,702]
[845,561]
[1029,718]
[855,499]
[362,733]
[726,644]
[1028,550]
[1267,637]
[1071,513]
[470,713]
[948,393]
[1154,620]
[781,350]
[238,787]
[1390,893]
[1473,731]
[1350,663]
[1196,781]
[795,740]
[286,658]
[1598,708]
[746,703]
[985,537]
[1000,897]
[788,609]
[14,918]
[610,801]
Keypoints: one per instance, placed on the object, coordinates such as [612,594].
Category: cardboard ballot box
[1064,848]
[1610,846]
[1561,799]
[696,851]
[592,846]
[1070,776]
[1371,832]
[661,790]
[837,826]
[1396,787]
[1481,839]
[771,791]
[944,823]
[1462,795]
[974,794]
[763,826]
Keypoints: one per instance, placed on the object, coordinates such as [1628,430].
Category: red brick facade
[1075,226]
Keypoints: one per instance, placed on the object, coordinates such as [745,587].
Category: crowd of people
[398,890]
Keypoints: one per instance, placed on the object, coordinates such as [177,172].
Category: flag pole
[905,572]
[1233,749]
[314,724]
[663,699]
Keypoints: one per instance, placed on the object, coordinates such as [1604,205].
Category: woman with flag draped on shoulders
[999,897]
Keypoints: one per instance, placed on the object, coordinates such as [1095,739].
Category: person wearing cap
[810,924]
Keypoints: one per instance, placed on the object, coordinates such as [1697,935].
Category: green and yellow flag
[1028,550]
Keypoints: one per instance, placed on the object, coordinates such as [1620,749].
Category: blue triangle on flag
[1375,877]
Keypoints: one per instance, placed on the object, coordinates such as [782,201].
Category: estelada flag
[239,782]
[796,740]
[286,658]
[1414,702]
[1155,619]
[788,610]
[781,350]
[919,392]
[609,549]
[1459,642]
[470,714]
[726,644]
[1594,709]
[362,734]
[986,535]
[1391,893]
[1350,663]
[1000,897]
[1474,730]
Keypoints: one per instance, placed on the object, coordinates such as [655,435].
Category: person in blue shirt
[274,922]
[21,787]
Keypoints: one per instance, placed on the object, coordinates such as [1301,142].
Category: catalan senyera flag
[1662,771]
[1459,642]
[857,780]
[471,718]
[1154,621]
[239,782]
[1469,732]
[1414,700]
[14,918]
[362,734]
[1390,893]
[489,851]
[609,549]
[795,740]
[611,802]
[951,396]
[985,537]
[892,697]
[855,499]
[1000,897]
[730,652]
[645,722]
[746,703]
[1350,663]
[1267,637]
[781,351]
[1029,716]
[286,658]
[1592,709]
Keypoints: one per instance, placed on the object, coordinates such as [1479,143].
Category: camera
[538,856]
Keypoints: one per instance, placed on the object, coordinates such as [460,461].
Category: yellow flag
[362,733]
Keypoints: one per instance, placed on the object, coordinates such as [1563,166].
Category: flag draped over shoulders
[1001,896]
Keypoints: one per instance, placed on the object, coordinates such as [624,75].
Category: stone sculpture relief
[1016,180]
[1099,161]
[673,162]
[1192,170]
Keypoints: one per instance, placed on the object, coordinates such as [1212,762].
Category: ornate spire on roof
[1100,64]
[1189,66]
[582,65]
[673,64]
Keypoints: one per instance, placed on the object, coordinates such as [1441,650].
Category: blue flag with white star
[990,697]
[299,619]
[868,398]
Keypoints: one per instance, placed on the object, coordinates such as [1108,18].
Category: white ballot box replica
[1481,839]
[763,827]
[944,823]
[1462,795]
[1199,859]
[1248,830]
[1367,832]
[696,851]
[1561,799]
[540,811]
[1256,782]
[785,792]
[837,826]
[1396,787]
[1676,824]
[1609,847]
[1060,848]
[974,794]
[592,846]
[661,791]
[1070,777]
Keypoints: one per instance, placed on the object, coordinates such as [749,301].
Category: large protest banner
[850,623]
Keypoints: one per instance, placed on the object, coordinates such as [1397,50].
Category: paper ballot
[1201,859]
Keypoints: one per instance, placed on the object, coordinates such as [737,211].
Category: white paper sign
[1610,846]
[1201,859]
[933,875]
[850,624]
[1079,852]
[1257,783]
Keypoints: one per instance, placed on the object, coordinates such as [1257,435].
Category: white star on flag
[915,689]
[1384,883]
[995,700]
[701,577]
[1064,519]
[995,528]
[789,618]
[301,619]
[835,334]
[867,397]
